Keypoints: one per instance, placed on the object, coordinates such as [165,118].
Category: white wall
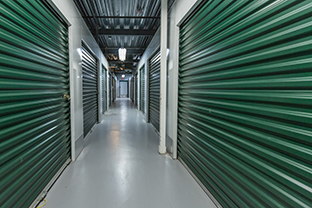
[150,50]
[78,31]
[178,11]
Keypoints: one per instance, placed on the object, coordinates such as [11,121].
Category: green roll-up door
[132,89]
[136,89]
[34,116]
[104,90]
[245,101]
[142,89]
[154,90]
[110,89]
[90,89]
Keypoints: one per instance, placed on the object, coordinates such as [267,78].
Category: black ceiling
[122,23]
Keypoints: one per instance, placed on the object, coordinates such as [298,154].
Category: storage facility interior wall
[34,116]
[245,101]
[154,90]
[90,88]
[142,89]
[104,89]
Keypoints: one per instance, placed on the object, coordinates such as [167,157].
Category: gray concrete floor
[120,167]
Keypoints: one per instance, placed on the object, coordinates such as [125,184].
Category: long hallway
[120,167]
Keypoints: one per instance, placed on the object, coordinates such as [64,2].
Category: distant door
[154,90]
[35,136]
[142,89]
[90,88]
[104,89]
[123,89]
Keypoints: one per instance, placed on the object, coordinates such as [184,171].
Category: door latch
[65,96]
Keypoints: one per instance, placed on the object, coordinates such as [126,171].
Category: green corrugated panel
[90,89]
[132,89]
[142,89]
[154,90]
[114,89]
[136,89]
[104,89]
[34,116]
[110,89]
[245,101]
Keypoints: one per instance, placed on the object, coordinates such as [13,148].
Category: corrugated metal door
[104,90]
[34,116]
[110,89]
[132,89]
[90,89]
[123,88]
[154,90]
[135,89]
[142,89]
[245,101]
[113,90]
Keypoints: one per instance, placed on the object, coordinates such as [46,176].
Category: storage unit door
[34,116]
[104,90]
[142,89]
[90,86]
[113,90]
[123,89]
[136,89]
[110,89]
[245,101]
[132,89]
[154,90]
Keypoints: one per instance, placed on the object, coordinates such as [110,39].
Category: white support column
[107,88]
[163,76]
[138,90]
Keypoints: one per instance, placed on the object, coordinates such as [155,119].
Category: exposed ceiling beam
[121,17]
[132,32]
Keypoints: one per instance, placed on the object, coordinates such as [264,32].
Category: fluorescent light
[123,76]
[122,54]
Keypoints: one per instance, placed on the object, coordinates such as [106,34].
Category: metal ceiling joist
[120,17]
[132,32]
[114,48]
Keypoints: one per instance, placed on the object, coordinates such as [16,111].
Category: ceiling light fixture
[122,54]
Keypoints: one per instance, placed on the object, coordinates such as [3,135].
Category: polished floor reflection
[120,167]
